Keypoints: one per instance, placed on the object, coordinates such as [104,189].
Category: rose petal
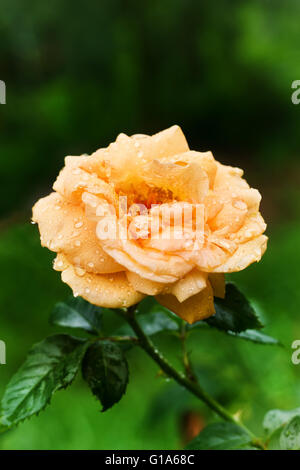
[193,283]
[145,286]
[131,265]
[128,154]
[246,254]
[72,182]
[64,228]
[188,181]
[105,290]
[193,309]
[230,218]
[229,178]
[217,281]
[203,160]
[253,227]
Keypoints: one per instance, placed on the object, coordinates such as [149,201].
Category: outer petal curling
[105,290]
[145,286]
[246,254]
[64,228]
[72,182]
[195,308]
[193,283]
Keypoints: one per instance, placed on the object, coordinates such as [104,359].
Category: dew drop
[79,271]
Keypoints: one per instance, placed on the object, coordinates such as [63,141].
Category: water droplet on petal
[79,271]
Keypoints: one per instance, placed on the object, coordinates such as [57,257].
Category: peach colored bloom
[155,173]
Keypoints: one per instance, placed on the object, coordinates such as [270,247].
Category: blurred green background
[78,73]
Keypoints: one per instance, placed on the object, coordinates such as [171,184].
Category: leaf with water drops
[275,419]
[234,312]
[105,369]
[77,313]
[51,365]
[221,436]
[290,436]
[256,337]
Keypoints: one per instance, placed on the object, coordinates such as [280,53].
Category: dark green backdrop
[78,73]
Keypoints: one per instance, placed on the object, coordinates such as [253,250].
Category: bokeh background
[77,74]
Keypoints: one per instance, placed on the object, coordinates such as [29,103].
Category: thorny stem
[185,380]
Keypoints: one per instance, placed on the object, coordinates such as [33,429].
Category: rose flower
[114,256]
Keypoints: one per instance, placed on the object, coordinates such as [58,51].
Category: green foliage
[53,363]
[105,369]
[275,419]
[234,313]
[256,337]
[77,313]
[107,65]
[153,318]
[50,366]
[290,436]
[220,436]
[282,429]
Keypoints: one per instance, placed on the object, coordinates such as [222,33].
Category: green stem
[191,385]
[119,339]
[189,372]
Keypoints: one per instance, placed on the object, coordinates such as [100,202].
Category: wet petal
[193,309]
[229,178]
[145,286]
[71,183]
[127,154]
[193,283]
[64,228]
[246,254]
[217,281]
[187,181]
[105,290]
[202,160]
[253,227]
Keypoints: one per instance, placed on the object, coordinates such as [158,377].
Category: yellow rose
[114,255]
